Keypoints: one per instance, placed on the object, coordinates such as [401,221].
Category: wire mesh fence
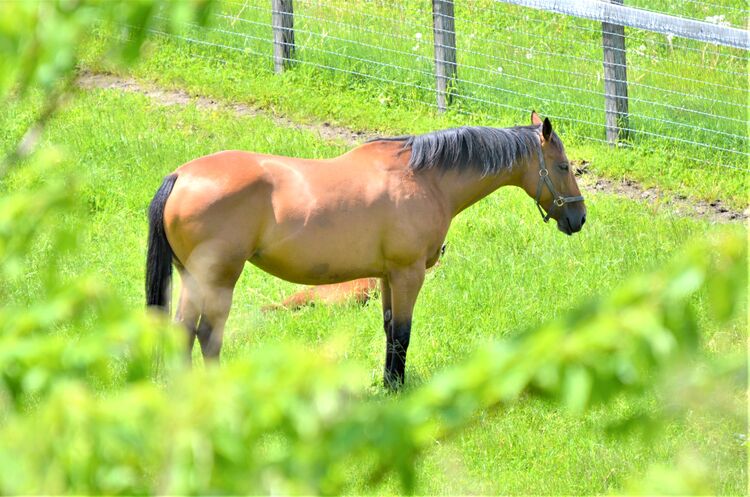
[685,96]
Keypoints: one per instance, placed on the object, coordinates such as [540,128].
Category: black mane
[486,150]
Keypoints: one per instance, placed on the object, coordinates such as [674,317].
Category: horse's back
[218,201]
[222,173]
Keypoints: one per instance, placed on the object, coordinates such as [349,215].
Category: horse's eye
[563,166]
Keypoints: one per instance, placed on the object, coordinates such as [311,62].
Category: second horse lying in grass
[357,291]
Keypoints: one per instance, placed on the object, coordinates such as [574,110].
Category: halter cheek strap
[559,200]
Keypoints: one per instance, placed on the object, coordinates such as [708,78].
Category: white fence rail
[642,19]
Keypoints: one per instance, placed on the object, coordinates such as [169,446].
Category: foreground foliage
[287,421]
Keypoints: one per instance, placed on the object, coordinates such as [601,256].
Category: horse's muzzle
[571,222]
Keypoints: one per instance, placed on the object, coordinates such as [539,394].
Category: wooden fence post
[615,81]
[445,50]
[283,34]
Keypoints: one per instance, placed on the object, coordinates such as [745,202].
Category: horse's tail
[159,259]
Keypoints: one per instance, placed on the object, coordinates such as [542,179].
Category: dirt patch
[715,211]
[681,205]
[181,97]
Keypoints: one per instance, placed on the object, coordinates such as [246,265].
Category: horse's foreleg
[385,298]
[405,284]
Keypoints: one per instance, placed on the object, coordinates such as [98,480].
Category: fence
[674,76]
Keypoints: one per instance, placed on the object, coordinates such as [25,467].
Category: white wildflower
[719,20]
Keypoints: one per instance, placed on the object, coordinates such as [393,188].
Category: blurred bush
[284,421]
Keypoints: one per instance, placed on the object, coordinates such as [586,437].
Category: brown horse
[381,210]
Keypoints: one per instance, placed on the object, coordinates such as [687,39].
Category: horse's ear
[546,129]
[535,118]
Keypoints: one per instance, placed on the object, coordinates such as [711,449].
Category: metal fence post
[615,80]
[445,50]
[283,34]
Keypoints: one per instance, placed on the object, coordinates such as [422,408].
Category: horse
[381,210]
[358,291]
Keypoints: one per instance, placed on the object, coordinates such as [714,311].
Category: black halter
[559,200]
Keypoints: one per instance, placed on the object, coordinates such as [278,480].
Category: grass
[370,68]
[504,270]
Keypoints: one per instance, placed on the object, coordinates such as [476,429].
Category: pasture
[504,273]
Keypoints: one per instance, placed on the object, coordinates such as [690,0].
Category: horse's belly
[319,272]
[321,258]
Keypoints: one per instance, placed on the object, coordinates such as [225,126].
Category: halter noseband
[559,200]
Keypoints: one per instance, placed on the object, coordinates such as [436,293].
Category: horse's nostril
[583,220]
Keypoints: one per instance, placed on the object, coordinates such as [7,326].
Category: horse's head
[550,181]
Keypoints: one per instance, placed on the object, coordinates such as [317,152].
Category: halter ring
[559,201]
[545,171]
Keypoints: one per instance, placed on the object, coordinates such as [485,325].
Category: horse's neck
[463,189]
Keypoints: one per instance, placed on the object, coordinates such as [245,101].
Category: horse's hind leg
[214,317]
[189,308]
[217,300]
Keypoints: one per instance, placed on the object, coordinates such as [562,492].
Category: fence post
[283,34]
[445,50]
[615,81]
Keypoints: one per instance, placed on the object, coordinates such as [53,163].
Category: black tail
[159,259]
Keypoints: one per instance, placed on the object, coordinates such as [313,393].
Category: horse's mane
[486,150]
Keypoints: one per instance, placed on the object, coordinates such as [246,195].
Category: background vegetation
[540,364]
[369,66]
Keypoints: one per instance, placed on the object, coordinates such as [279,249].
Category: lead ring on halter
[559,200]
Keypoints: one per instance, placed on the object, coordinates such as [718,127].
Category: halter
[559,200]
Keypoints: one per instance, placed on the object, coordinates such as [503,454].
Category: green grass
[504,270]
[381,81]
